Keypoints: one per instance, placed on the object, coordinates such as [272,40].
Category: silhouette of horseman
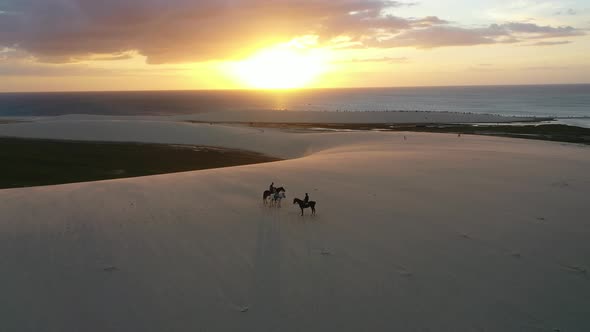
[305,204]
[275,194]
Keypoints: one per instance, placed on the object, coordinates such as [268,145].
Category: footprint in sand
[560,184]
[111,269]
[516,255]
[406,274]
[541,219]
[576,269]
[242,308]
[325,252]
[402,271]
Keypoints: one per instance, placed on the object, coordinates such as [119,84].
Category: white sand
[432,233]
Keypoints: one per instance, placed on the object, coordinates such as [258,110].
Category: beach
[413,232]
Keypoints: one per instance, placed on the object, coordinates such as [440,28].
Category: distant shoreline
[544,132]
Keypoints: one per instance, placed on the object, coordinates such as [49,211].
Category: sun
[281,67]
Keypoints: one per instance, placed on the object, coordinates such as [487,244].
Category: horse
[266,194]
[303,205]
[275,200]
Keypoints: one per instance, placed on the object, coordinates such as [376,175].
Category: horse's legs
[302,212]
[313,210]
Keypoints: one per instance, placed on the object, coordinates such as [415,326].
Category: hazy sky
[48,45]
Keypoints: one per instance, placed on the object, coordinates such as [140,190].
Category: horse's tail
[265,194]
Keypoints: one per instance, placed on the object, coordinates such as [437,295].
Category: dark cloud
[114,57]
[537,31]
[165,31]
[437,36]
[36,69]
[41,70]
[550,43]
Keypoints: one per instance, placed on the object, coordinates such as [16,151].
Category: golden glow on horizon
[285,66]
[305,63]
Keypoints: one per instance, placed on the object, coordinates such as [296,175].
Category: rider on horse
[305,203]
[272,188]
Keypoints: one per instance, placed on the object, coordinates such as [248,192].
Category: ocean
[560,101]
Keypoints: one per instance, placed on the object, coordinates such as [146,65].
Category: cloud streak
[386,59]
[550,43]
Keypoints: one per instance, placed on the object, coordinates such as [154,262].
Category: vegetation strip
[37,162]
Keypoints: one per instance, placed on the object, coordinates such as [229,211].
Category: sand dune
[428,233]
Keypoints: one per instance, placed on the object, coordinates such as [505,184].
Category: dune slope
[428,233]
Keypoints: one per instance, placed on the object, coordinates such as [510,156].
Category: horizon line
[294,89]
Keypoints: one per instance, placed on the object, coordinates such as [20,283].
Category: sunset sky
[56,45]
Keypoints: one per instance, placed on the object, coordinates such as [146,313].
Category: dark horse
[303,205]
[267,193]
